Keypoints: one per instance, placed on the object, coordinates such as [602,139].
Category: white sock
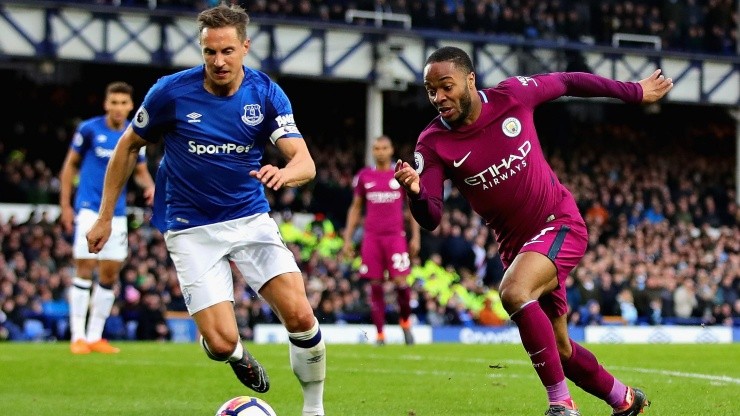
[309,366]
[238,352]
[79,301]
[101,304]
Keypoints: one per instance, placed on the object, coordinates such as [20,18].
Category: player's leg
[530,276]
[79,294]
[110,261]
[79,302]
[287,297]
[270,269]
[398,271]
[583,369]
[533,291]
[101,303]
[204,274]
[372,270]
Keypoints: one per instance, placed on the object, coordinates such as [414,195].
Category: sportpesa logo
[216,149]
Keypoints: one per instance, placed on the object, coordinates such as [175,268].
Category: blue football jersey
[211,144]
[95,141]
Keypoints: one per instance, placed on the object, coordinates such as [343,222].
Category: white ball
[245,406]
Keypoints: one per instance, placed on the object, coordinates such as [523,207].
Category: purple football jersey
[497,162]
[384,199]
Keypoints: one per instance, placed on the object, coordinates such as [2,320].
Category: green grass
[363,380]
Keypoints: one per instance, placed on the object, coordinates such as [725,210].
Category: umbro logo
[457,163]
[194,117]
[316,359]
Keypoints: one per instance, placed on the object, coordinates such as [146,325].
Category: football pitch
[362,380]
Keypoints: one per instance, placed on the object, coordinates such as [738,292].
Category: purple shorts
[384,253]
[564,241]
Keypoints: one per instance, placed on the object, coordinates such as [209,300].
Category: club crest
[252,115]
[511,127]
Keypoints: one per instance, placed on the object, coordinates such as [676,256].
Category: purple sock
[403,294]
[538,340]
[584,370]
[377,306]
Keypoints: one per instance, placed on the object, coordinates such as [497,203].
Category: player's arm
[70,170]
[144,180]
[415,240]
[121,165]
[299,170]
[425,199]
[536,90]
[354,215]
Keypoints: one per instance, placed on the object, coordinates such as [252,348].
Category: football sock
[403,294]
[237,354]
[79,301]
[100,306]
[308,361]
[538,340]
[584,370]
[377,305]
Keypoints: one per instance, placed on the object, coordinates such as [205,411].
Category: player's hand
[270,176]
[655,87]
[148,194]
[67,219]
[348,251]
[98,235]
[407,177]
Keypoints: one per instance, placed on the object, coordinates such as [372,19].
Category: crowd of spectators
[681,25]
[659,199]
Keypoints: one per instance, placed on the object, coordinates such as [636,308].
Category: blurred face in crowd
[223,53]
[118,106]
[382,151]
[449,90]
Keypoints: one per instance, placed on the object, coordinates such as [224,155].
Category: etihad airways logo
[383,197]
[499,172]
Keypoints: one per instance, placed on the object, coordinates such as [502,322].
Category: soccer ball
[245,406]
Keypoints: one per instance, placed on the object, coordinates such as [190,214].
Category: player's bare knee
[300,321]
[513,297]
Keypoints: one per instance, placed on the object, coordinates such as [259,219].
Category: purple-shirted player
[384,250]
[485,142]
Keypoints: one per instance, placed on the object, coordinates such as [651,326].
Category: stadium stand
[659,202]
[692,26]
[658,192]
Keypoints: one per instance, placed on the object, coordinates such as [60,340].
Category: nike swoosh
[535,353]
[369,185]
[531,242]
[457,164]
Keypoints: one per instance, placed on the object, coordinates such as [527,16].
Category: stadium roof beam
[52,31]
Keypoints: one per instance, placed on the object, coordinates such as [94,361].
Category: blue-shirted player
[216,121]
[88,156]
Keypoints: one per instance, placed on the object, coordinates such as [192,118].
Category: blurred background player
[91,148]
[384,250]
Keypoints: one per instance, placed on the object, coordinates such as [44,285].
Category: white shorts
[201,256]
[115,249]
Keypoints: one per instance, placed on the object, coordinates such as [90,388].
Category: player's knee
[300,321]
[513,297]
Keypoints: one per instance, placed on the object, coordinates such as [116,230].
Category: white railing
[378,17]
[618,38]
